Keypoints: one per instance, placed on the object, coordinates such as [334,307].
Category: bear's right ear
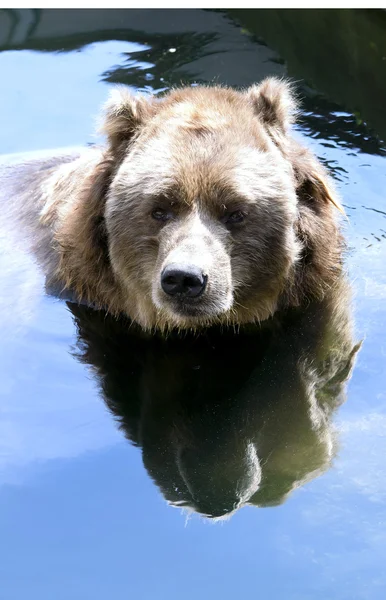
[124,113]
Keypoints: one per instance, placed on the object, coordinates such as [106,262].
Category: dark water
[216,424]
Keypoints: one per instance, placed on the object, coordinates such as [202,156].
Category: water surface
[83,510]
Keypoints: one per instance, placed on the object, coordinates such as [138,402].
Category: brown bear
[201,210]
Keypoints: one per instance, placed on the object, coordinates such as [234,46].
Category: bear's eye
[236,217]
[160,214]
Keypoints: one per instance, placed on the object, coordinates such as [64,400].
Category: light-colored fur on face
[200,155]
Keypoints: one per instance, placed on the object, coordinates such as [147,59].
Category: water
[82,510]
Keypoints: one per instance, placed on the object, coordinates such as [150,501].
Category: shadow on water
[341,52]
[226,419]
[171,47]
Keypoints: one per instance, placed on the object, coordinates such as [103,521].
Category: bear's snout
[185,281]
[192,279]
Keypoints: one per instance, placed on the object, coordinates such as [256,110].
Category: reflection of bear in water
[227,419]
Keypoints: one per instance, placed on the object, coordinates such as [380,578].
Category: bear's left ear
[123,115]
[274,102]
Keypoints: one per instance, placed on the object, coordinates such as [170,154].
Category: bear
[201,210]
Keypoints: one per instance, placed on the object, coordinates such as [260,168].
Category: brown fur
[200,153]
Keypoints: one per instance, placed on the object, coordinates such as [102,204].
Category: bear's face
[201,211]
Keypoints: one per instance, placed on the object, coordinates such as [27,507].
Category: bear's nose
[183,280]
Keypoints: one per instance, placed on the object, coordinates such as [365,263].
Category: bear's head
[212,212]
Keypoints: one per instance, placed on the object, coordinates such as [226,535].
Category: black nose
[184,280]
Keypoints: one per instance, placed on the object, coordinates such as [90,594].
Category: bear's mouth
[196,309]
[189,308]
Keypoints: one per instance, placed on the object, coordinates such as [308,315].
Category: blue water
[79,515]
